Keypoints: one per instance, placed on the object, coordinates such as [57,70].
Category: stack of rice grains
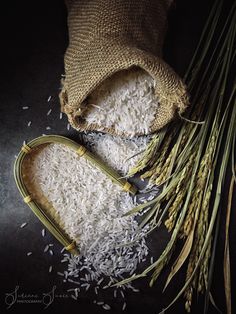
[90,208]
[125,102]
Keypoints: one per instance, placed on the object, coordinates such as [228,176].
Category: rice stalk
[169,164]
[219,188]
[204,266]
[174,210]
[227,272]
[204,145]
[156,169]
[233,158]
[182,256]
[149,156]
[168,251]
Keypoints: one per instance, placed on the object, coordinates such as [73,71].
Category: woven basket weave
[106,36]
[34,196]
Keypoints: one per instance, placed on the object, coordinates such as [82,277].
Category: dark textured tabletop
[33,41]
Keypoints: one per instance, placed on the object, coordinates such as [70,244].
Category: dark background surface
[33,41]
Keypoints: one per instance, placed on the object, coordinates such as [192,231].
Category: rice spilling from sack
[119,153]
[89,207]
[125,102]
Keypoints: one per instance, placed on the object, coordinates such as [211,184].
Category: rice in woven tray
[87,205]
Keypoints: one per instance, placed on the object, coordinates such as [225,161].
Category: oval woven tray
[37,206]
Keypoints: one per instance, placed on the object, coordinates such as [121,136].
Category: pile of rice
[119,153]
[125,102]
[90,208]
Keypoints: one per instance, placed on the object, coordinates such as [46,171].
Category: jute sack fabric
[107,36]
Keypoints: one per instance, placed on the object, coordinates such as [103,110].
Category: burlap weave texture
[106,36]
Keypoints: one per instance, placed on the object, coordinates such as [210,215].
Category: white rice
[46,248]
[115,151]
[106,307]
[126,102]
[89,208]
[49,112]
[100,303]
[87,203]
[124,306]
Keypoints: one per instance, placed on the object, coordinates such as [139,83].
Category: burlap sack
[106,36]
